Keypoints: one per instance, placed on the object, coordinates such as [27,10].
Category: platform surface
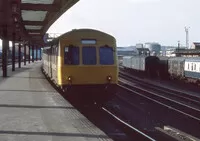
[31,110]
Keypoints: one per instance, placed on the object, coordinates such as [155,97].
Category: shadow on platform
[10,73]
[39,107]
[31,91]
[54,134]
[42,77]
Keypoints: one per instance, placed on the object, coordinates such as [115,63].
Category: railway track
[136,133]
[185,98]
[183,103]
[180,94]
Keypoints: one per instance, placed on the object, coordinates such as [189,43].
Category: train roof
[193,59]
[127,57]
[178,58]
[163,57]
[75,31]
[139,56]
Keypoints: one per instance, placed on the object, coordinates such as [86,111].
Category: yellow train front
[83,62]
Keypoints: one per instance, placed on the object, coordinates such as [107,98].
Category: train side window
[53,55]
[194,66]
[188,66]
[89,55]
[106,55]
[71,55]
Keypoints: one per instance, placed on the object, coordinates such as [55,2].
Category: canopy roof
[30,19]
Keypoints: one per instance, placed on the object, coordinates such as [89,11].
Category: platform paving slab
[32,110]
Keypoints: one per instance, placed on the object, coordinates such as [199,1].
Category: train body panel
[192,68]
[146,65]
[127,62]
[134,62]
[151,64]
[92,75]
[138,63]
[163,67]
[176,67]
[194,75]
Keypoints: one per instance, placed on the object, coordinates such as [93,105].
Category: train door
[56,61]
[51,55]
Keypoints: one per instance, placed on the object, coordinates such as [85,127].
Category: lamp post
[187,36]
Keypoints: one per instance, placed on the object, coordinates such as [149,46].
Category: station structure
[25,22]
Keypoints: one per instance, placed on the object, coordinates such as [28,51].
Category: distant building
[143,51]
[126,51]
[195,45]
[154,48]
[140,45]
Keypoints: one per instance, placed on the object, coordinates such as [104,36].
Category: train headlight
[109,78]
[69,78]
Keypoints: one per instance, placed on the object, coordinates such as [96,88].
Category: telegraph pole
[187,36]
[178,45]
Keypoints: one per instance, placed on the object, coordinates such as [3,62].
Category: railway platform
[31,110]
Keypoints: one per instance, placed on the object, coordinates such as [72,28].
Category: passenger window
[89,55]
[106,55]
[188,66]
[194,66]
[71,55]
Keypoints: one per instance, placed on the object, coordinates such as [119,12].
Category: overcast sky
[135,21]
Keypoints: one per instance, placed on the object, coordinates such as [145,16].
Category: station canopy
[30,19]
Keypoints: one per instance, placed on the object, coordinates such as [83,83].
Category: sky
[135,21]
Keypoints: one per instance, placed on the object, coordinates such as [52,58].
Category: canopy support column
[19,55]
[4,51]
[13,52]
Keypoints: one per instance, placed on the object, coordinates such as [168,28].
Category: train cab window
[89,55]
[71,55]
[106,55]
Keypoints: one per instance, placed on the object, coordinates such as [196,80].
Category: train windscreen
[106,56]
[71,56]
[89,55]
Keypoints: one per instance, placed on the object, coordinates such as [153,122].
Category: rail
[161,99]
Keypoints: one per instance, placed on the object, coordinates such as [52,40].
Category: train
[144,65]
[83,62]
[180,68]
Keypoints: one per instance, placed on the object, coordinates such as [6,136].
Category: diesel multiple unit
[83,61]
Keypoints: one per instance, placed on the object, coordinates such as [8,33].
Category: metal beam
[4,51]
[40,54]
[19,56]
[40,7]
[32,53]
[34,30]
[5,43]
[36,52]
[13,52]
[29,53]
[24,54]
[33,23]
